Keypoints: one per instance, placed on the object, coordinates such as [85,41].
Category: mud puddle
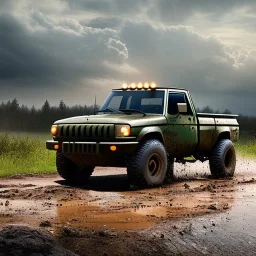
[106,202]
[98,218]
[119,210]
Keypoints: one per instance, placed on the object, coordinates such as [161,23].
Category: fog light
[56,147]
[113,148]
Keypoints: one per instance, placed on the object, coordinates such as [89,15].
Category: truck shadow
[107,183]
[120,183]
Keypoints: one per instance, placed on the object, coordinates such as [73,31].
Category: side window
[174,99]
[115,102]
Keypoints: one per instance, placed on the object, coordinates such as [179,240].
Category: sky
[72,50]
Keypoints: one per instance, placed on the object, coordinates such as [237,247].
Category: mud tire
[223,159]
[169,177]
[148,166]
[72,173]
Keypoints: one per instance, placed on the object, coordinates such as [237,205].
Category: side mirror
[182,107]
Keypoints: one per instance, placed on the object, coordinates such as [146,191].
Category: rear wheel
[147,167]
[223,159]
[169,177]
[69,171]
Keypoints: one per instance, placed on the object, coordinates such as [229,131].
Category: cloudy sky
[73,49]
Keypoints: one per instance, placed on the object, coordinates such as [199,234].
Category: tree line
[16,117]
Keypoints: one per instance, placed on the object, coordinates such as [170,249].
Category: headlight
[123,130]
[54,130]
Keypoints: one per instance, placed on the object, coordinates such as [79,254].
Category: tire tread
[217,166]
[136,177]
[69,171]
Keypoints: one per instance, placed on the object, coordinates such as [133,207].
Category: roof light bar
[139,86]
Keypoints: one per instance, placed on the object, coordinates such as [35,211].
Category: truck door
[181,131]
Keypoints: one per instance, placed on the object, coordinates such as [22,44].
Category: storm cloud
[175,10]
[164,10]
[178,56]
[61,50]
[75,49]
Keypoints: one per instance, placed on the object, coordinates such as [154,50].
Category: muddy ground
[195,215]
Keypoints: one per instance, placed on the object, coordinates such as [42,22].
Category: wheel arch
[148,133]
[222,135]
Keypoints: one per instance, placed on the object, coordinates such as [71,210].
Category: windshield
[150,102]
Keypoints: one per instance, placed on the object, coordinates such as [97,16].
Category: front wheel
[148,166]
[69,171]
[223,159]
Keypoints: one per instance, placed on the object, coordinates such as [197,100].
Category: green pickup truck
[145,129]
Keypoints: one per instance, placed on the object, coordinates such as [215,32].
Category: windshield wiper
[130,111]
[109,110]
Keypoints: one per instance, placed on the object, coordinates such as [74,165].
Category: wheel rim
[154,165]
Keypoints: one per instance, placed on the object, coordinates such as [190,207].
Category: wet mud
[179,218]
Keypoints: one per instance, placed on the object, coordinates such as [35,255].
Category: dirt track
[195,215]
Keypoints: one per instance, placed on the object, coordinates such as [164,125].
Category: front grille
[79,147]
[86,131]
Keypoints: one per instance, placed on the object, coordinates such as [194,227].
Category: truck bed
[211,125]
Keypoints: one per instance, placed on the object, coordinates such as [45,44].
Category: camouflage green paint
[181,135]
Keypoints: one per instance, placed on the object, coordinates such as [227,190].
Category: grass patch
[246,146]
[20,154]
[25,153]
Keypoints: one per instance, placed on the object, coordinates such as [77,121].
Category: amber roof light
[139,86]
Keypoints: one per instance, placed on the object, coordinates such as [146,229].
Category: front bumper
[93,148]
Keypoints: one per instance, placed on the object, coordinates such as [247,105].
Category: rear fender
[222,133]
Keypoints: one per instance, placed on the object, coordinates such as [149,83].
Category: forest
[16,117]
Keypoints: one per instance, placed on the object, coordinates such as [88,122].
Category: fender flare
[149,131]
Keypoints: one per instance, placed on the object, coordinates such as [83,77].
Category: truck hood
[133,119]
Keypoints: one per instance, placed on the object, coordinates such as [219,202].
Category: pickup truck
[145,129]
